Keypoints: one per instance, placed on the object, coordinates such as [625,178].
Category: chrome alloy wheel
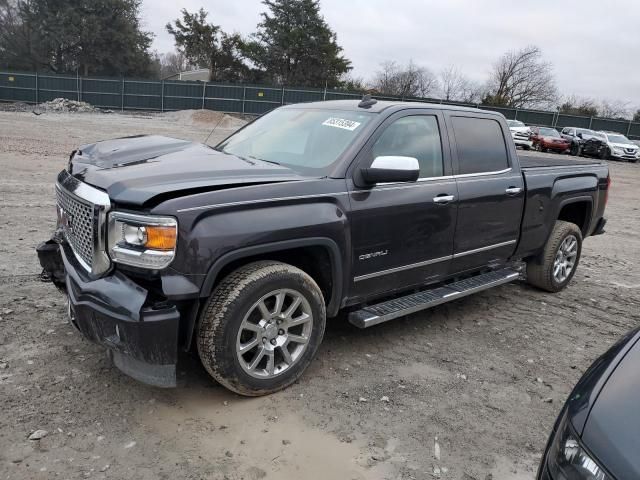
[565,259]
[274,333]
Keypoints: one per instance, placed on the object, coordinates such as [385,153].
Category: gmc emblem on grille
[65,219]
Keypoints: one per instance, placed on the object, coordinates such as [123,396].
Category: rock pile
[64,105]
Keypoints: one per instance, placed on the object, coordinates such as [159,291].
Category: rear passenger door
[490,192]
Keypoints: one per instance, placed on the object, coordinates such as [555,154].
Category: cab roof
[385,105]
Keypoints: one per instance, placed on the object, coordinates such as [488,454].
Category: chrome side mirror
[391,169]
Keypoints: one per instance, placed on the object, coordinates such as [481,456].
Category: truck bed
[537,161]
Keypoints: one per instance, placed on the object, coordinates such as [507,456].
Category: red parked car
[545,138]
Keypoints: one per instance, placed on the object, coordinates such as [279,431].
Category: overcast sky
[594,46]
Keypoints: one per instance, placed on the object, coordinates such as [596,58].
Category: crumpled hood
[134,170]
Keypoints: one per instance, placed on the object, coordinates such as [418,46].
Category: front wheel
[604,154]
[575,150]
[261,328]
[554,268]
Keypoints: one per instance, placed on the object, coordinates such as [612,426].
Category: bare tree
[614,109]
[455,86]
[172,63]
[522,79]
[404,80]
[574,105]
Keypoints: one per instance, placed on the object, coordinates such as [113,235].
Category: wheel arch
[309,254]
[577,210]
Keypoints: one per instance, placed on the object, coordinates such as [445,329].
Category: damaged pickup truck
[241,251]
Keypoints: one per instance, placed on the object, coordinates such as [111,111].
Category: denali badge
[366,256]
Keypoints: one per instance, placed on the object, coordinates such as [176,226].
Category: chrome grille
[82,216]
[77,218]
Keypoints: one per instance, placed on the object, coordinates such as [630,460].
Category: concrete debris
[38,434]
[64,105]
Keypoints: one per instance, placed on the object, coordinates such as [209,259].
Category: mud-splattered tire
[545,271]
[275,309]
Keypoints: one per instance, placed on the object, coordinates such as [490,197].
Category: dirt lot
[473,374]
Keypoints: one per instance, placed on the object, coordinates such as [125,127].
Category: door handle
[443,199]
[513,190]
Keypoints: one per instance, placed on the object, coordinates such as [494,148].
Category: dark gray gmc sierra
[242,250]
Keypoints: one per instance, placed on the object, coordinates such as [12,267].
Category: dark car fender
[545,204]
[337,274]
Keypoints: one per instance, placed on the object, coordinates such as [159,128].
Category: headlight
[568,460]
[617,150]
[143,241]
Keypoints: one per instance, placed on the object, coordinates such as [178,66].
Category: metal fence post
[282,99]
[244,96]
[629,128]
[515,115]
[204,91]
[80,90]
[77,85]
[122,96]
[590,122]
[162,96]
[37,89]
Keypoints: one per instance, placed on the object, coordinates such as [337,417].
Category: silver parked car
[521,134]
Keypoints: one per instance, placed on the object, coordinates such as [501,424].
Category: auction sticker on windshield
[341,123]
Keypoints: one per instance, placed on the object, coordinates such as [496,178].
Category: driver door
[402,233]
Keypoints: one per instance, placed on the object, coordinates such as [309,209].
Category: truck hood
[135,170]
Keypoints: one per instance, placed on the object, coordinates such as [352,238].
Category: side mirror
[579,135]
[391,169]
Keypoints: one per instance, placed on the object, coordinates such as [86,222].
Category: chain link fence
[169,95]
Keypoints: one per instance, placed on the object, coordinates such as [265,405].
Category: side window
[414,136]
[565,130]
[481,145]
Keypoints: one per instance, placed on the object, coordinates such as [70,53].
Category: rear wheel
[261,328]
[554,268]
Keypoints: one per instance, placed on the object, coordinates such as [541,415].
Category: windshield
[515,123]
[599,135]
[549,132]
[306,140]
[618,139]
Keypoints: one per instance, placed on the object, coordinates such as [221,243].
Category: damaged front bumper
[115,312]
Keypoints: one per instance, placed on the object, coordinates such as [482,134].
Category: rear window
[481,145]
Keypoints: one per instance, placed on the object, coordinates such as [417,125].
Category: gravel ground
[483,378]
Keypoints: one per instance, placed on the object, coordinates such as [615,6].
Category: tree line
[292,45]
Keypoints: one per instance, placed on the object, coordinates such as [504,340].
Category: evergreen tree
[205,45]
[294,45]
[101,37]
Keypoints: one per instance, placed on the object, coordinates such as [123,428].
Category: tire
[526,147]
[233,317]
[603,154]
[575,150]
[541,270]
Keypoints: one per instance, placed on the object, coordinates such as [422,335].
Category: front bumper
[522,142]
[625,156]
[115,312]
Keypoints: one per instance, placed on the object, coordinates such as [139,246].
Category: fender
[582,199]
[337,278]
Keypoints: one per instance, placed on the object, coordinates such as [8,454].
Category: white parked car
[521,134]
[620,147]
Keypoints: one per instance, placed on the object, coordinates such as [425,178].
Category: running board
[399,307]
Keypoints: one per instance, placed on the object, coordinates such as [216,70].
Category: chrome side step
[399,307]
